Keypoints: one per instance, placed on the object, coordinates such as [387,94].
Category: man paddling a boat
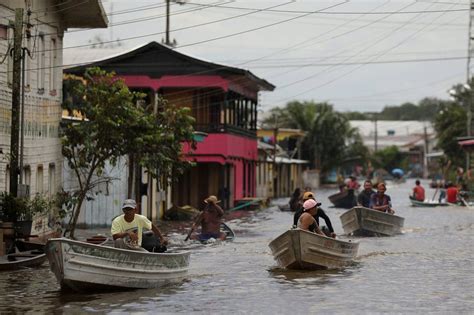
[452,193]
[380,201]
[418,191]
[210,219]
[363,199]
[127,228]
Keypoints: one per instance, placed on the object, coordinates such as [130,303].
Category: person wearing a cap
[319,214]
[127,228]
[306,221]
[210,220]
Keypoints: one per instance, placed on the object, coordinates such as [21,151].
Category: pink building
[224,103]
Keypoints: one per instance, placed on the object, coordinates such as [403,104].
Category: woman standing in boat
[380,201]
[306,221]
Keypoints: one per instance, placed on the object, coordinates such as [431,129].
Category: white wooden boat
[427,203]
[362,221]
[81,266]
[299,249]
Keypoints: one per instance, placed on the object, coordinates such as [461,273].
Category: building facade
[45,23]
[224,104]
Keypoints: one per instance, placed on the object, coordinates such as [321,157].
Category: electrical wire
[360,66]
[342,12]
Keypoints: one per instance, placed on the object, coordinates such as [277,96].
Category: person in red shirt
[353,183]
[452,193]
[418,191]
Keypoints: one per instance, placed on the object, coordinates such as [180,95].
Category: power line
[352,70]
[341,12]
[377,41]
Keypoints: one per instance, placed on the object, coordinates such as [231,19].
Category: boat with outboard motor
[300,249]
[82,266]
[361,221]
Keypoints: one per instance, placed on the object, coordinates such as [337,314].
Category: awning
[466,143]
[285,160]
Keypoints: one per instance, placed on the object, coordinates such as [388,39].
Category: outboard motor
[151,243]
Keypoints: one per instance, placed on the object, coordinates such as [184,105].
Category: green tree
[111,126]
[327,131]
[388,158]
[449,124]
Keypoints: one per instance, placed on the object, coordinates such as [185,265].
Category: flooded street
[429,268]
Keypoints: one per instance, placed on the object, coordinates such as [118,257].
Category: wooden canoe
[345,199]
[27,259]
[298,249]
[229,233]
[362,221]
[427,203]
[24,246]
[285,207]
[81,266]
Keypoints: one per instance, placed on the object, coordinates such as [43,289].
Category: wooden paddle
[464,202]
[436,192]
[190,232]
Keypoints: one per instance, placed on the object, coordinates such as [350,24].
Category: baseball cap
[307,195]
[310,203]
[129,203]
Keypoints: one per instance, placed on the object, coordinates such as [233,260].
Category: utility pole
[468,78]
[15,129]
[167,40]
[375,133]
[275,174]
[425,158]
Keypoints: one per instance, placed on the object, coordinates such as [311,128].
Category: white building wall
[42,147]
[108,198]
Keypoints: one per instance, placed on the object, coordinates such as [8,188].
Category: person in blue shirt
[380,201]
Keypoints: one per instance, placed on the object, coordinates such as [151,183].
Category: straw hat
[212,199]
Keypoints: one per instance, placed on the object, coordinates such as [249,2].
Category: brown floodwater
[428,268]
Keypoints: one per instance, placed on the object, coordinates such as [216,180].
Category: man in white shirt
[127,228]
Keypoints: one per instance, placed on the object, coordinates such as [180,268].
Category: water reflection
[428,268]
[306,277]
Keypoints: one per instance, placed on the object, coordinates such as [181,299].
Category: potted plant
[9,207]
[18,212]
[29,208]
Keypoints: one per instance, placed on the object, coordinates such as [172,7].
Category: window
[28,63]
[52,179]
[7,178]
[3,32]
[53,63]
[10,60]
[39,179]
[27,175]
[41,64]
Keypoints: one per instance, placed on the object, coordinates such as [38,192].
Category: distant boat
[24,246]
[345,199]
[27,259]
[427,203]
[81,266]
[299,249]
[362,221]
[285,207]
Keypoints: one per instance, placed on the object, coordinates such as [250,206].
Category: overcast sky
[368,55]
